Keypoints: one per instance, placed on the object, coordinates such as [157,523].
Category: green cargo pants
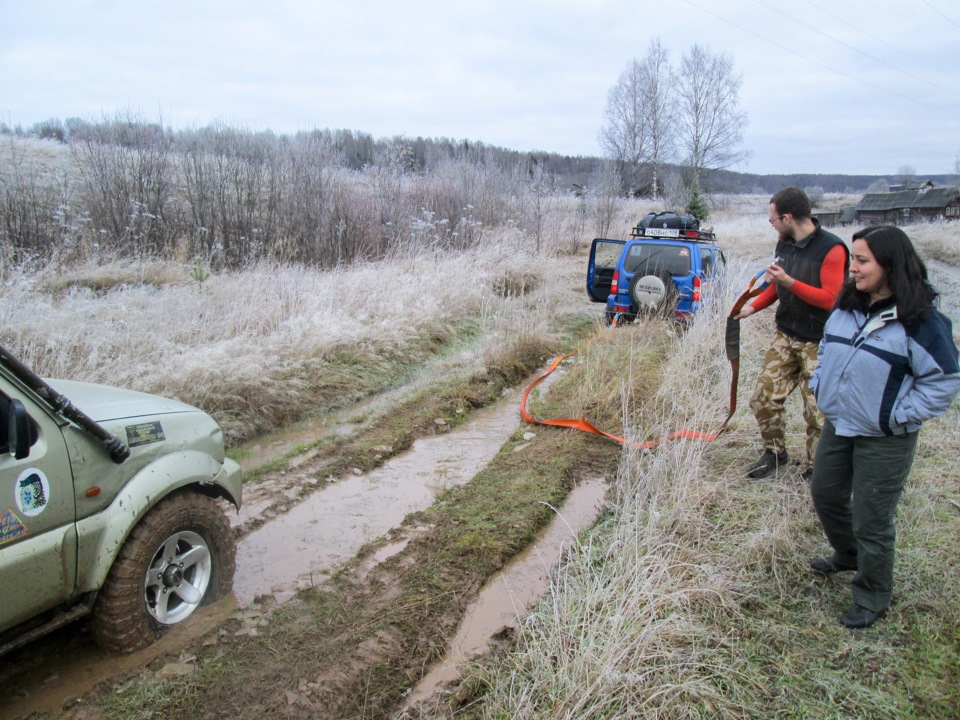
[856,484]
[788,363]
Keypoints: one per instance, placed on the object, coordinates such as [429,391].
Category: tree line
[128,188]
[231,197]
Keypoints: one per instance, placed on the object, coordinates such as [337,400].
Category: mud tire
[122,620]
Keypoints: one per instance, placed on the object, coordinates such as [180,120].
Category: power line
[940,13]
[867,55]
[812,60]
[860,30]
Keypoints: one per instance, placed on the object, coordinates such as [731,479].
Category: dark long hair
[904,273]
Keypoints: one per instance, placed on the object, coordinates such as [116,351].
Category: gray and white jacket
[875,377]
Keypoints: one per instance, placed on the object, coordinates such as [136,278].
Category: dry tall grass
[261,347]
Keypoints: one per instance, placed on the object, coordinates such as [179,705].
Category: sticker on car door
[11,527]
[32,492]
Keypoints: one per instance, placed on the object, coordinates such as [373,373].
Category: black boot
[767,463]
[833,564]
[859,617]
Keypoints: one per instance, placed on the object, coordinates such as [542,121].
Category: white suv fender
[101,535]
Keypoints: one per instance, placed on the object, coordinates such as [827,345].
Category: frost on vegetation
[939,241]
[137,334]
[630,627]
[632,614]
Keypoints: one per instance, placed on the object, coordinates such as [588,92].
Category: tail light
[697,282]
[614,282]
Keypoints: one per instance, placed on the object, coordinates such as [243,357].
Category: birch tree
[638,133]
[625,136]
[709,122]
[658,108]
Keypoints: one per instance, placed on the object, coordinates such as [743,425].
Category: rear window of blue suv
[656,257]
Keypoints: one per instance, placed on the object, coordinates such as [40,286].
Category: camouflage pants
[788,363]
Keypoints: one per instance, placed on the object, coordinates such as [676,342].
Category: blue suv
[662,270]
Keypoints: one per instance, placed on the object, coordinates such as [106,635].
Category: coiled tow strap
[732,342]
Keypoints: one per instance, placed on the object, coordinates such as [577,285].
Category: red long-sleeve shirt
[823,297]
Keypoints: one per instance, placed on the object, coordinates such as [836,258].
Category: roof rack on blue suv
[664,269]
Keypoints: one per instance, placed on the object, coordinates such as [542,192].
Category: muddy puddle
[54,672]
[301,547]
[507,597]
[263,449]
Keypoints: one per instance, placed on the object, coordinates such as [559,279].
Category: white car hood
[103,403]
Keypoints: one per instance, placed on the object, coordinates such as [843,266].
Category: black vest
[801,261]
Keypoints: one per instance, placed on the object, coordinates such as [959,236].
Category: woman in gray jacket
[887,363]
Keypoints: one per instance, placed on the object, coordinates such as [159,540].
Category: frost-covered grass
[940,241]
[265,346]
[692,598]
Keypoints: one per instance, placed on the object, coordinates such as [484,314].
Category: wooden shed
[848,216]
[829,219]
[923,204]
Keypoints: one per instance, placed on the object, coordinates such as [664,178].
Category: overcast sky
[860,86]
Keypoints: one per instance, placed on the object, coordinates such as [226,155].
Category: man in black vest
[805,280]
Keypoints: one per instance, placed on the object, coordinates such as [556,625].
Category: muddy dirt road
[296,529]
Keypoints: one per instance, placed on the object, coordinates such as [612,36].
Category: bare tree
[625,135]
[127,182]
[709,121]
[34,216]
[605,198]
[638,131]
[658,107]
[815,194]
[906,174]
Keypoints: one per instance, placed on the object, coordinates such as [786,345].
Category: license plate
[662,232]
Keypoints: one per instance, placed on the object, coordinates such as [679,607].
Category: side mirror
[18,432]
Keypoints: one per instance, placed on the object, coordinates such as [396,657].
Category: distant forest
[229,197]
[358,149]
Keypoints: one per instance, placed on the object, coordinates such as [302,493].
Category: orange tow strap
[733,354]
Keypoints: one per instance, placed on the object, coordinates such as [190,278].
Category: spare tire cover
[648,292]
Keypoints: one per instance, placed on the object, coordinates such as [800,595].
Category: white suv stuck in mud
[108,505]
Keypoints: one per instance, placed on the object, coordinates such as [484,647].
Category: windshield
[647,258]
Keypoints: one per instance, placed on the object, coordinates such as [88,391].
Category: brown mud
[507,597]
[305,545]
[55,672]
